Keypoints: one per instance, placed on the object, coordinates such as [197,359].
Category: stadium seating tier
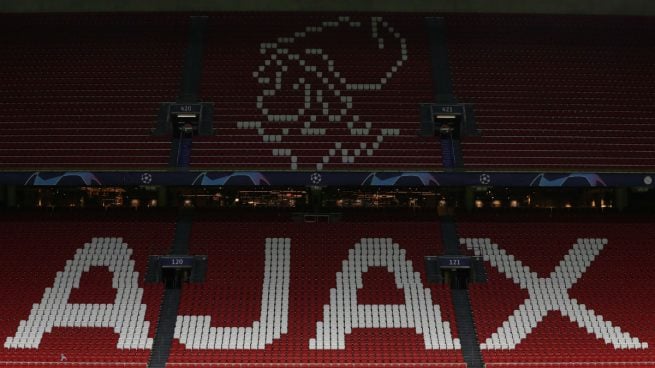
[316,92]
[232,295]
[83,91]
[556,92]
[613,286]
[38,251]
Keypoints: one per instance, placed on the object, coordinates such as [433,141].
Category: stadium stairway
[180,152]
[165,327]
[171,300]
[182,232]
[461,303]
[449,236]
[189,90]
[466,327]
[447,147]
[193,61]
[442,86]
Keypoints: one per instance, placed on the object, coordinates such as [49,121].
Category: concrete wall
[622,7]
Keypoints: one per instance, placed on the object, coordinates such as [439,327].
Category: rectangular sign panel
[454,262]
[447,109]
[176,261]
[186,108]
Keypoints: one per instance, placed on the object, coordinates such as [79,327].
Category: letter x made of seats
[549,294]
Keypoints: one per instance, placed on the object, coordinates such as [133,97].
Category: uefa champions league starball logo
[146,178]
[485,179]
[315,178]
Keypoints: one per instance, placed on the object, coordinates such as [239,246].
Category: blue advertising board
[327,178]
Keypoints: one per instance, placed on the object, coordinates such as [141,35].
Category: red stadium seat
[232,295]
[606,264]
[84,91]
[39,249]
[554,92]
[347,95]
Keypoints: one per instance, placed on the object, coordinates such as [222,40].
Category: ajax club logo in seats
[304,62]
